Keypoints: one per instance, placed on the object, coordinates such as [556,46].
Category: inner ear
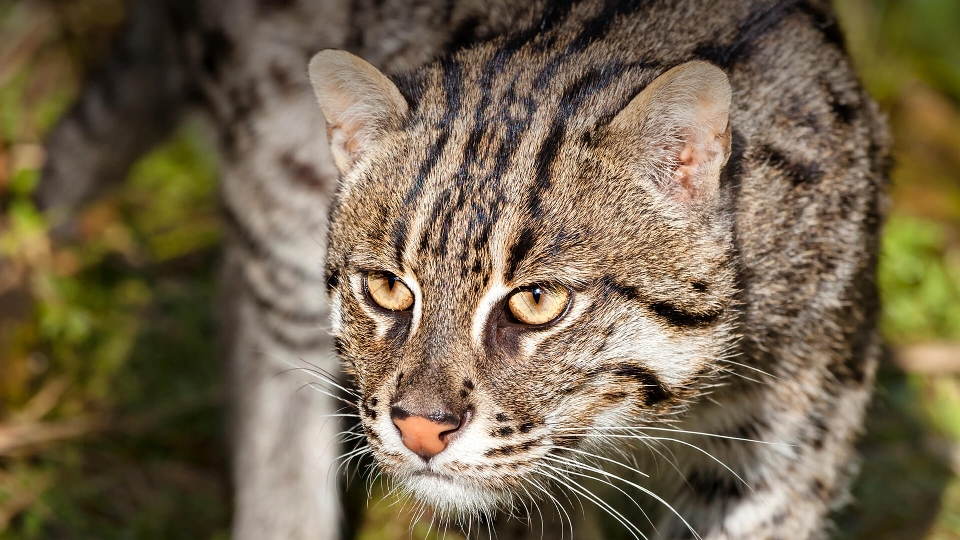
[678,129]
[359,103]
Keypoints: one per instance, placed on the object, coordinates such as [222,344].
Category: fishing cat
[620,252]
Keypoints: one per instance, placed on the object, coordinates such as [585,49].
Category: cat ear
[359,102]
[680,122]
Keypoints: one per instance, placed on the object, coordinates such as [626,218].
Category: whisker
[672,460]
[320,374]
[574,463]
[536,507]
[695,447]
[350,455]
[650,493]
[561,511]
[578,488]
[326,391]
[673,430]
[615,462]
[752,368]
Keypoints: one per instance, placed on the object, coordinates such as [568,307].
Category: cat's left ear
[680,127]
[359,102]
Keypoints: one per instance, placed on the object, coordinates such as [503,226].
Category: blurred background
[110,398]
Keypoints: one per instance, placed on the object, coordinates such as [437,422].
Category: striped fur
[748,313]
[748,316]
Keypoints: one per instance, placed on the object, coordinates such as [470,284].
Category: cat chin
[452,498]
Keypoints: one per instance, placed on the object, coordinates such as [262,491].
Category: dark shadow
[897,495]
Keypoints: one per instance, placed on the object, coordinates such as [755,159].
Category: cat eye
[387,291]
[538,304]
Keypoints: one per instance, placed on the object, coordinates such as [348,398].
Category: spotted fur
[720,340]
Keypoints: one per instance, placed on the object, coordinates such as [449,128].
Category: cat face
[509,285]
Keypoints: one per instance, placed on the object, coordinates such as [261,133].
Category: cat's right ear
[678,130]
[358,101]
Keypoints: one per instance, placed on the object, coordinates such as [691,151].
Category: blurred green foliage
[106,343]
[920,279]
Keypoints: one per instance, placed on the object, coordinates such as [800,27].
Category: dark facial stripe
[510,449]
[668,312]
[654,391]
[571,102]
[441,203]
[398,237]
[443,241]
[509,143]
[679,317]
[545,157]
[518,251]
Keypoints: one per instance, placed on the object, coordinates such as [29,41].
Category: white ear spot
[681,121]
[358,101]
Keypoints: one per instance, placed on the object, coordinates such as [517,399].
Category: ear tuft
[359,103]
[682,121]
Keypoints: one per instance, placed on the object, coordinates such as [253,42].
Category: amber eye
[538,304]
[388,291]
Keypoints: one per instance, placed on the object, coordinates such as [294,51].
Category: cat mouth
[428,473]
[452,496]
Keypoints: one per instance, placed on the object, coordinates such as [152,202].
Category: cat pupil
[536,294]
[391,281]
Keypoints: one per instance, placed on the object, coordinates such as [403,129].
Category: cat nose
[428,435]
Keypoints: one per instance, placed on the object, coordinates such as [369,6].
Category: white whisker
[650,493]
[578,488]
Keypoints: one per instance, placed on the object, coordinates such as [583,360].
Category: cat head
[518,264]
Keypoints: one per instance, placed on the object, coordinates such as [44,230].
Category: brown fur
[740,305]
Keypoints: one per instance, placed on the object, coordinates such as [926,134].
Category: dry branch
[30,437]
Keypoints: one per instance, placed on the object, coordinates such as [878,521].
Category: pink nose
[426,437]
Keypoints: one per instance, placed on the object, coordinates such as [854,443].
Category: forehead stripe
[398,237]
[518,251]
[453,84]
[574,96]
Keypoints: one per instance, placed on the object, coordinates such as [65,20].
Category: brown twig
[929,358]
[32,437]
